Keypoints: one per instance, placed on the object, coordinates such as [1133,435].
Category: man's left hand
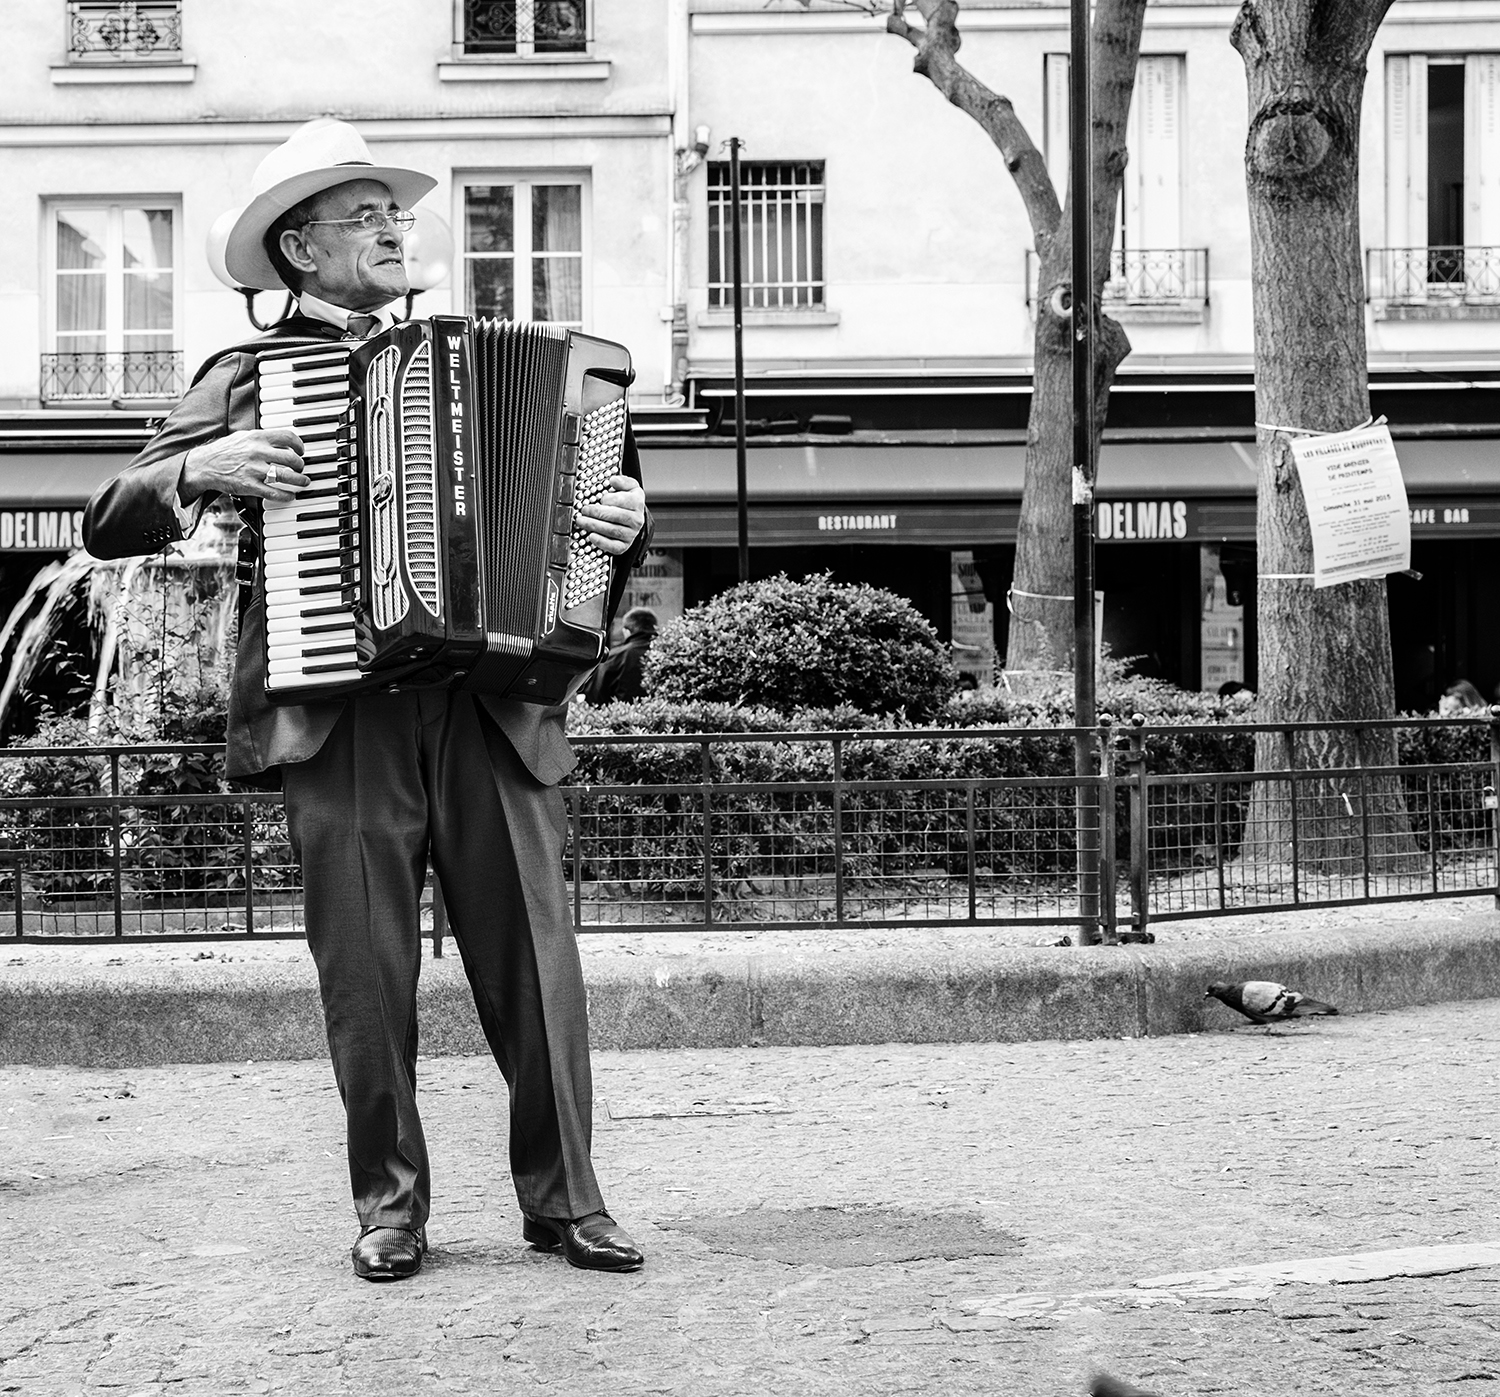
[618,517]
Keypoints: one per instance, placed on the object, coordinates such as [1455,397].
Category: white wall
[259,71]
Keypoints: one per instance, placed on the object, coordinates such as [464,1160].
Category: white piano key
[283,611]
[288,669]
[311,651]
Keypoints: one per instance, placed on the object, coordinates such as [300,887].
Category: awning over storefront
[55,478]
[958,496]
[42,495]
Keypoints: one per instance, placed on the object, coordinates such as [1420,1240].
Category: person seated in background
[1461,697]
[620,676]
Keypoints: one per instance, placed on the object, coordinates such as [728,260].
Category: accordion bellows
[438,544]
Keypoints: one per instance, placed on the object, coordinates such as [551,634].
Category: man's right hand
[266,465]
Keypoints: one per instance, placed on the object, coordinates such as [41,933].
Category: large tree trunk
[1325,653]
[1041,628]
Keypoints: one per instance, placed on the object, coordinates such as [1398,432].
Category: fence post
[439,918]
[838,829]
[118,831]
[708,846]
[1490,796]
[1140,844]
[249,832]
[1107,912]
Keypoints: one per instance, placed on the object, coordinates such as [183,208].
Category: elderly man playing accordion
[374,782]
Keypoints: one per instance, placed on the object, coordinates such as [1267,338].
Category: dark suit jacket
[620,676]
[133,514]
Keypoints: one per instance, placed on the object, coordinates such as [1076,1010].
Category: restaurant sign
[40,530]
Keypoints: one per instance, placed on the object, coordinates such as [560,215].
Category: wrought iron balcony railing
[1434,276]
[1167,277]
[121,31]
[99,377]
[525,27]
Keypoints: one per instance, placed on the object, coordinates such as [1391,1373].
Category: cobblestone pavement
[184,1230]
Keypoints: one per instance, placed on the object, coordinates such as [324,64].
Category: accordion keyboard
[309,560]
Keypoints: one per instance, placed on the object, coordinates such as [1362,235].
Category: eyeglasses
[372,220]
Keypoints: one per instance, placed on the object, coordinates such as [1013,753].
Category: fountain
[139,632]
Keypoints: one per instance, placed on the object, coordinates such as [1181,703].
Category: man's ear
[294,248]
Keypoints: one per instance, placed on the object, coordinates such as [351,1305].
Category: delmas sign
[40,530]
[1122,520]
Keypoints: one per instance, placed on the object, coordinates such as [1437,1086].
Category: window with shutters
[1442,189]
[112,305]
[523,248]
[1151,268]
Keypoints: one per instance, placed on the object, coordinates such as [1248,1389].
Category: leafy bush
[798,645]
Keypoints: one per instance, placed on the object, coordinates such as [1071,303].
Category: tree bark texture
[1041,628]
[1324,654]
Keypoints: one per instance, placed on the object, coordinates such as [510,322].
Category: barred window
[781,235]
[525,27]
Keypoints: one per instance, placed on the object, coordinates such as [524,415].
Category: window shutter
[1482,150]
[1153,200]
[1055,120]
[1406,150]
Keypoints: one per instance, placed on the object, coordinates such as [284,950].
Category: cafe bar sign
[40,530]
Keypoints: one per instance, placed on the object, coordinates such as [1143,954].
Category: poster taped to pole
[1356,504]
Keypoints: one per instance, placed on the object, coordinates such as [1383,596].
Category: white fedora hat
[315,157]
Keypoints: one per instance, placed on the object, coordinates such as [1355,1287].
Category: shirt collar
[338,316]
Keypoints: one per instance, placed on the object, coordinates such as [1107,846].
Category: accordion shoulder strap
[259,344]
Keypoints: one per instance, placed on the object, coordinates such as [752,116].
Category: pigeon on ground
[1105,1386]
[1264,1001]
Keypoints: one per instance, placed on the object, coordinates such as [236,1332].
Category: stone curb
[127,1015]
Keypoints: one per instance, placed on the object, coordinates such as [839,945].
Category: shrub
[798,645]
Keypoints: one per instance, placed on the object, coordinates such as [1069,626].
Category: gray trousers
[401,775]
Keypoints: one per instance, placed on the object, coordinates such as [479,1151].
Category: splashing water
[163,623]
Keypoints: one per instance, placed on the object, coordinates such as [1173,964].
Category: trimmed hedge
[799,645]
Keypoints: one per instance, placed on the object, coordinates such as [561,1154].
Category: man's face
[343,263]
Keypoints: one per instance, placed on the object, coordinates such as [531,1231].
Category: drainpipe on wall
[686,157]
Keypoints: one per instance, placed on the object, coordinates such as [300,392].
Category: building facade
[888,269]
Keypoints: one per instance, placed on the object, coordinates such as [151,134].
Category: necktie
[362,326]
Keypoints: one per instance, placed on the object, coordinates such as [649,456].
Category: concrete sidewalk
[130,1005]
[969,1220]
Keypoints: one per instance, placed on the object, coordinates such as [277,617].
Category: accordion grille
[419,526]
[387,602]
[601,441]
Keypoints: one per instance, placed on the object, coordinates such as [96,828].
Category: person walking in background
[1461,697]
[620,676]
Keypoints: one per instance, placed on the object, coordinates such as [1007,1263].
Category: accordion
[438,543]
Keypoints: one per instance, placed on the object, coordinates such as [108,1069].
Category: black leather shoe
[389,1253]
[595,1243]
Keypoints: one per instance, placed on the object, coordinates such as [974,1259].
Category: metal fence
[811,830]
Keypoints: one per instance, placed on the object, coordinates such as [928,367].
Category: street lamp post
[1081,196]
[736,274]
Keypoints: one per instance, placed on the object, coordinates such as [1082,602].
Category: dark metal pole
[1081,197]
[739,358]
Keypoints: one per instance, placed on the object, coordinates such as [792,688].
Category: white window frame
[114,282]
[525,41]
[523,182]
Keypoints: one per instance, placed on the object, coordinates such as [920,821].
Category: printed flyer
[1356,504]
